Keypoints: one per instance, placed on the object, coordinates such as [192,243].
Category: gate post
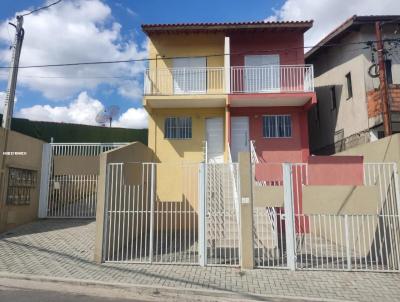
[202,216]
[246,253]
[44,180]
[152,203]
[289,215]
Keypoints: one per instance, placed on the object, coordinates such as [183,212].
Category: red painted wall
[289,46]
[277,150]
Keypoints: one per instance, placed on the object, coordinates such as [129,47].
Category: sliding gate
[325,224]
[69,180]
[180,213]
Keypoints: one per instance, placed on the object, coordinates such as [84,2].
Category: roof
[348,25]
[226,26]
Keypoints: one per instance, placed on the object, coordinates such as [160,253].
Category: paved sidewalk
[64,249]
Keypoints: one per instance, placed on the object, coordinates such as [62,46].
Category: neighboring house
[228,84]
[349,108]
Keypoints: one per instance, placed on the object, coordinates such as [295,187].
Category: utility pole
[12,79]
[387,124]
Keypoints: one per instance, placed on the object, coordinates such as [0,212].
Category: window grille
[277,126]
[21,182]
[178,128]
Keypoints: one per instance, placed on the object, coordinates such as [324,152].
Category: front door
[239,136]
[215,139]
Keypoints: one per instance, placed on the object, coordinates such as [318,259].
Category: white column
[227,64]
[44,180]
[289,216]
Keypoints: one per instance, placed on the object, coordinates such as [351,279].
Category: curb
[159,290]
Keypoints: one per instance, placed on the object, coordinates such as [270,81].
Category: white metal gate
[182,213]
[66,195]
[356,241]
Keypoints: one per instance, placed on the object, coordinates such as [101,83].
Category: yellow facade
[161,48]
[187,150]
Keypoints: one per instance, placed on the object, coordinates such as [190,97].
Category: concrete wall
[188,150]
[14,215]
[331,65]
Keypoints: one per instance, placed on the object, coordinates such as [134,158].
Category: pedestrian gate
[69,179]
[171,213]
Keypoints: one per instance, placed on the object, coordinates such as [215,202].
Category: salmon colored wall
[289,46]
[277,150]
[336,170]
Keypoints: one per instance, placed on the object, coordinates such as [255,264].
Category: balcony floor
[272,99]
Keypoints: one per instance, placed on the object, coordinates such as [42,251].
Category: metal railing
[272,78]
[73,195]
[243,79]
[234,180]
[266,243]
[175,81]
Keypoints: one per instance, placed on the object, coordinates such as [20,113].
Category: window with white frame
[277,126]
[190,75]
[178,128]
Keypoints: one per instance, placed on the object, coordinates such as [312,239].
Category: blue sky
[93,30]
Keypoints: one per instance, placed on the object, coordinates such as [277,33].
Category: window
[333,97]
[349,86]
[388,69]
[277,126]
[20,184]
[178,128]
[262,73]
[190,75]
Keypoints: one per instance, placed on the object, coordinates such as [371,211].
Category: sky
[101,30]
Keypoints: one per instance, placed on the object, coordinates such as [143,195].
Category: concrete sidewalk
[64,249]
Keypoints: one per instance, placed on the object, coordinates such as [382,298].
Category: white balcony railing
[243,79]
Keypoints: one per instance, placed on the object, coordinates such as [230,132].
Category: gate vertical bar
[44,180]
[396,186]
[289,215]
[202,216]
[347,234]
[151,213]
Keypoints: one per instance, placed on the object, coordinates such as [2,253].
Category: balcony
[241,80]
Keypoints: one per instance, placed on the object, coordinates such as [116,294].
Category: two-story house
[349,110]
[214,85]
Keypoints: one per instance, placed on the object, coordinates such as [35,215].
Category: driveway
[64,249]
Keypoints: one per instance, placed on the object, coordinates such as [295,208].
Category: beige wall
[14,215]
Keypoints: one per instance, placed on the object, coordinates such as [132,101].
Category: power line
[40,8]
[207,56]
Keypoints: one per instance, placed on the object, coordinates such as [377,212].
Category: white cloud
[83,110]
[75,31]
[328,14]
[133,118]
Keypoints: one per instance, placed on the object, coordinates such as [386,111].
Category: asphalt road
[30,295]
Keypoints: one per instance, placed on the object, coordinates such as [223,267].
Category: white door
[262,73]
[189,75]
[215,139]
[239,136]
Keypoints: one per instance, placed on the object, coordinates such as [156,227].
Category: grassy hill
[76,133]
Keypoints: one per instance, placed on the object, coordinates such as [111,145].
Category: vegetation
[75,133]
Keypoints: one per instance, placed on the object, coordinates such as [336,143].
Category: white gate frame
[289,216]
[65,149]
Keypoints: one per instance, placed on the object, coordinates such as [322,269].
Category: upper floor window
[333,97]
[388,69]
[262,73]
[349,86]
[178,128]
[277,126]
[190,75]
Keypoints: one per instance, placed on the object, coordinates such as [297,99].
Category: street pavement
[64,249]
